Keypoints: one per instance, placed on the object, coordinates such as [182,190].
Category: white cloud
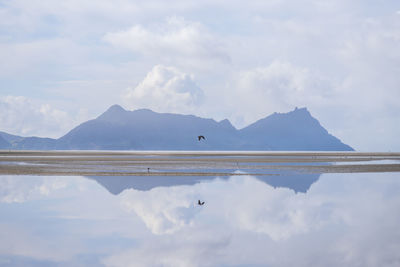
[278,87]
[165,89]
[24,116]
[368,91]
[176,40]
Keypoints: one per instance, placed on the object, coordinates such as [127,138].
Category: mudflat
[192,163]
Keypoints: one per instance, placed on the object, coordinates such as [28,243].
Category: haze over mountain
[143,129]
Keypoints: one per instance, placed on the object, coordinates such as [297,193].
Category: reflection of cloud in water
[243,202]
[163,210]
[205,247]
[345,220]
[22,188]
[59,221]
[166,210]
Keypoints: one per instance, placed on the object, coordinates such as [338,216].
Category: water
[387,161]
[289,219]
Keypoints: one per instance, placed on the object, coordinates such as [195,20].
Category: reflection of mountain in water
[117,184]
[296,182]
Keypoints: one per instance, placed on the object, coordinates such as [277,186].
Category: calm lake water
[284,220]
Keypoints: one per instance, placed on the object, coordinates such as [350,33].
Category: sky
[62,63]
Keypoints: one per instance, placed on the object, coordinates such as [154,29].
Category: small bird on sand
[201,137]
[200,203]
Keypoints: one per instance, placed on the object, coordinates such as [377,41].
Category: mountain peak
[226,123]
[115,108]
[297,114]
[302,110]
[295,111]
[294,130]
[115,112]
[300,113]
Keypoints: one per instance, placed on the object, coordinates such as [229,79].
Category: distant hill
[36,143]
[143,129]
[3,143]
[10,138]
[295,130]
[27,143]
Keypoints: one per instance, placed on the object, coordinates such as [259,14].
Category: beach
[191,163]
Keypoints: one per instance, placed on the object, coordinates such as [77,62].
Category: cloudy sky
[64,62]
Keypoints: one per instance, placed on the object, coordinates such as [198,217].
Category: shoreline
[191,163]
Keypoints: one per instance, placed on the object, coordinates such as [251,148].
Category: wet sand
[189,163]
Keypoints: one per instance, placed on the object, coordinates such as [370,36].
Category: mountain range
[143,129]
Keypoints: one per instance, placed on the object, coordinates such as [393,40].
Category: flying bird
[200,203]
[201,137]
